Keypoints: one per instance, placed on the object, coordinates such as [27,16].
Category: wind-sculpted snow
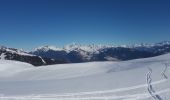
[125,80]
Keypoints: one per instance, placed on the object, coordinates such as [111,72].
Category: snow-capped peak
[163,43]
[91,48]
[73,46]
[146,45]
[47,48]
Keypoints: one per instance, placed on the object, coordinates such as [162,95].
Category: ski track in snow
[96,95]
[151,91]
[164,71]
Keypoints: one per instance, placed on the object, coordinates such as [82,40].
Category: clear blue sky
[30,23]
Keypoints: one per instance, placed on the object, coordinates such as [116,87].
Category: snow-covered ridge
[15,51]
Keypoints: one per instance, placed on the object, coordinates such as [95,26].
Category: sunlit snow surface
[141,79]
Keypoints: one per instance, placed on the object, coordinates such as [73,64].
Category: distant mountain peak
[163,43]
[73,47]
[87,48]
[47,48]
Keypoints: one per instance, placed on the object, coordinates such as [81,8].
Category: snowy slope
[9,68]
[140,79]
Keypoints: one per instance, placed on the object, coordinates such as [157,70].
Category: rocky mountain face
[76,53]
[19,55]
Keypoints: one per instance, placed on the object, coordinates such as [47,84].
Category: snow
[18,52]
[140,79]
[22,53]
[42,59]
[15,51]
[2,57]
[86,51]
[92,48]
[9,68]
[109,58]
[48,47]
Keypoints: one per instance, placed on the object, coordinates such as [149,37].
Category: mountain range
[77,53]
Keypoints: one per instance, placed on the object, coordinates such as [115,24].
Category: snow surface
[42,59]
[140,79]
[2,56]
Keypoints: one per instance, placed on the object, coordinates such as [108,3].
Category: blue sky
[31,23]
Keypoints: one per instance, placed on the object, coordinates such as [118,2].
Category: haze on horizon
[30,23]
